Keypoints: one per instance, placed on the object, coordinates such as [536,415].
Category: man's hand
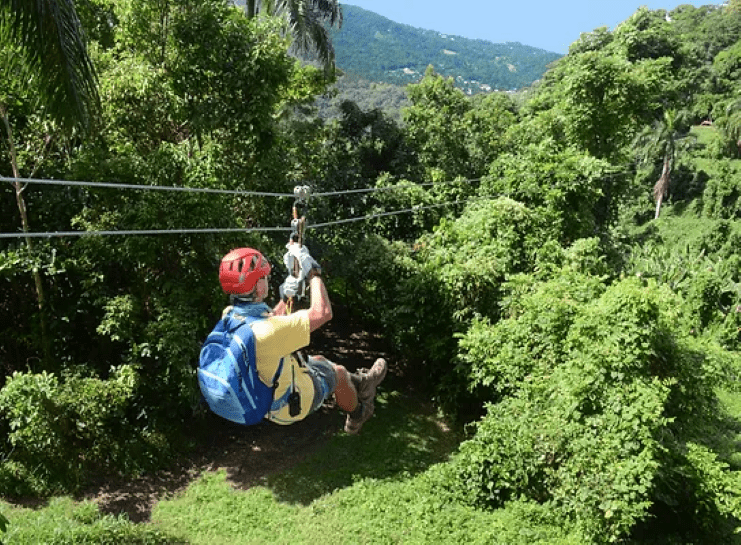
[301,255]
[289,288]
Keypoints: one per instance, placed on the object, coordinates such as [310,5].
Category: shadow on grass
[401,438]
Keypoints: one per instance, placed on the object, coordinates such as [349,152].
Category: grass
[371,510]
[375,488]
[370,488]
[64,521]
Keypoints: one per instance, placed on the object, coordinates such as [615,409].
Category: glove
[289,288]
[305,261]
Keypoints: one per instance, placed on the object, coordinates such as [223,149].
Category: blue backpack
[227,370]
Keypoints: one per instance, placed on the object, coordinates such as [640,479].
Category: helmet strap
[242,298]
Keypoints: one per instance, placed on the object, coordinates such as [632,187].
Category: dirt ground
[249,454]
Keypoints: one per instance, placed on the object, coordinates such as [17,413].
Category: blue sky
[546,24]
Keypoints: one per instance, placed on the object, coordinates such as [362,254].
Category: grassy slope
[371,488]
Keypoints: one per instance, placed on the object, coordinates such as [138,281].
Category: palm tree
[54,52]
[663,140]
[47,45]
[308,22]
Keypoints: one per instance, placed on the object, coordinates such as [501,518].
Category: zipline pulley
[298,228]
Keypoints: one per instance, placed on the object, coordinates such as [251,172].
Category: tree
[53,50]
[664,139]
[437,126]
[49,48]
[602,98]
[307,21]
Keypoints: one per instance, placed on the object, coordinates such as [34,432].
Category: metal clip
[302,193]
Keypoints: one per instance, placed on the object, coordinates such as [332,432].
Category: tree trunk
[20,201]
[662,186]
[250,9]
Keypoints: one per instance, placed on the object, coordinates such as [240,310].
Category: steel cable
[144,187]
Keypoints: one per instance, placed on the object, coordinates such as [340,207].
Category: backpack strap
[231,323]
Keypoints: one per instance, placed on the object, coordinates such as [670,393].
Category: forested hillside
[559,273]
[375,48]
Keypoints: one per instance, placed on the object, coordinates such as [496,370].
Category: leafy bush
[425,296]
[601,398]
[569,191]
[722,196]
[61,431]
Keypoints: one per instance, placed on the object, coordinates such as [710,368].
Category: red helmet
[241,269]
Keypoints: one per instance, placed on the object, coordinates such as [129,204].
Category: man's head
[241,271]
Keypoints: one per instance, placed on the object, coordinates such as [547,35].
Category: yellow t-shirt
[277,338]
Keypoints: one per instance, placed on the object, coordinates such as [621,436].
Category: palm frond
[307,27]
[308,23]
[52,39]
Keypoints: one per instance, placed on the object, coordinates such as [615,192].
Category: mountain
[372,47]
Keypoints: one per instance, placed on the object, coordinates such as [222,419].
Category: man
[243,274]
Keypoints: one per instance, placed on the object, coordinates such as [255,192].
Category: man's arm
[320,311]
[280,309]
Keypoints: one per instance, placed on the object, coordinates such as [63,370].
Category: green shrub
[456,277]
[704,296]
[722,195]
[60,432]
[570,192]
[600,399]
[706,279]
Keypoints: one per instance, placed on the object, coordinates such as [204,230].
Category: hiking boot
[353,425]
[369,380]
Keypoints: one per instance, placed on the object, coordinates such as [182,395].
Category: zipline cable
[112,185]
[390,188]
[367,217]
[144,187]
[394,213]
[55,234]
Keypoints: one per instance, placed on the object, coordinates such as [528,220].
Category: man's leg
[366,382]
[355,392]
[346,394]
[343,384]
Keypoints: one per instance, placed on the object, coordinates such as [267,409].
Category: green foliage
[64,522]
[377,49]
[425,296]
[702,267]
[571,192]
[58,432]
[722,196]
[453,135]
[435,123]
[604,97]
[599,392]
[229,71]
[647,35]
[52,54]
[473,254]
